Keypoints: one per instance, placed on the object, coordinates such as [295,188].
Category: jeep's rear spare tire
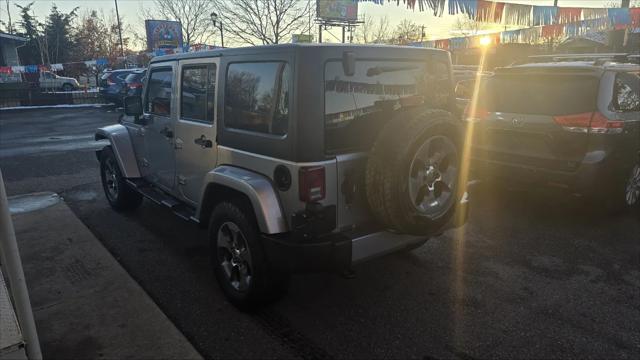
[413,172]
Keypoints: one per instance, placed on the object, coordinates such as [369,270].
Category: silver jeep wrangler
[297,157]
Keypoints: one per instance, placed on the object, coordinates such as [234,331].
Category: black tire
[391,164]
[120,196]
[265,285]
[625,193]
[67,87]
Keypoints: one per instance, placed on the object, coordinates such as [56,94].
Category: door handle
[203,141]
[168,133]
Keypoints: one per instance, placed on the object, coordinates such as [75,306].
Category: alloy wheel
[432,176]
[111,179]
[234,257]
[632,193]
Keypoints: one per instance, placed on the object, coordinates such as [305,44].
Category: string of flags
[520,14]
[32,69]
[529,35]
[542,22]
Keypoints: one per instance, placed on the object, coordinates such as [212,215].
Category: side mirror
[349,63]
[133,106]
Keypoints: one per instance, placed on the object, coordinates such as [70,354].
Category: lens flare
[458,234]
[485,41]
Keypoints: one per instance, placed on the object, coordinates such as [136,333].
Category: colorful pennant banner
[518,14]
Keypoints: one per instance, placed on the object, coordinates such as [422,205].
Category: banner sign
[163,34]
[342,10]
[301,38]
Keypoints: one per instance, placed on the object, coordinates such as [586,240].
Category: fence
[25,94]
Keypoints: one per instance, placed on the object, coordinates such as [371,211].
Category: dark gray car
[575,125]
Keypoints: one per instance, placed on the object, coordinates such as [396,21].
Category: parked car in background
[465,78]
[111,84]
[133,83]
[571,124]
[52,82]
[297,157]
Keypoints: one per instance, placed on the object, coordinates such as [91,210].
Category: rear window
[357,106]
[134,77]
[540,94]
[626,96]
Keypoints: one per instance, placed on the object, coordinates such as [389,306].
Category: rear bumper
[334,252]
[589,176]
[337,252]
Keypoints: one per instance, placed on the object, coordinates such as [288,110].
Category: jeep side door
[158,113]
[196,125]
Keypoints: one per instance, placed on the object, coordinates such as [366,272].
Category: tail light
[311,184]
[135,85]
[476,114]
[591,122]
[110,82]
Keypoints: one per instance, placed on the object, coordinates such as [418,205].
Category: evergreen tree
[57,32]
[29,28]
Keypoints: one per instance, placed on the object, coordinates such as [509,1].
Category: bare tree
[373,31]
[263,22]
[194,15]
[466,26]
[407,31]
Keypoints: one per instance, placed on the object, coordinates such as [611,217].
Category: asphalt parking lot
[535,273]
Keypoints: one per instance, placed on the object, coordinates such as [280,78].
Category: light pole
[119,30]
[218,24]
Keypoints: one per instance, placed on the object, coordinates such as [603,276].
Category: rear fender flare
[256,187]
[118,136]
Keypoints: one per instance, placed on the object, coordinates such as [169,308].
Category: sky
[435,27]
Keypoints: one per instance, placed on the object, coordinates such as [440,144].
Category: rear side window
[540,94]
[159,92]
[626,97]
[198,93]
[257,97]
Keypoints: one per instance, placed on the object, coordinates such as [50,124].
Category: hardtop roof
[250,50]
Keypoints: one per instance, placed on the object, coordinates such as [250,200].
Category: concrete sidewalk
[85,304]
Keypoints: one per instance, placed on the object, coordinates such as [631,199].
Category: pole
[221,34]
[119,30]
[310,13]
[626,4]
[343,34]
[555,2]
[9,18]
[10,257]
[320,33]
